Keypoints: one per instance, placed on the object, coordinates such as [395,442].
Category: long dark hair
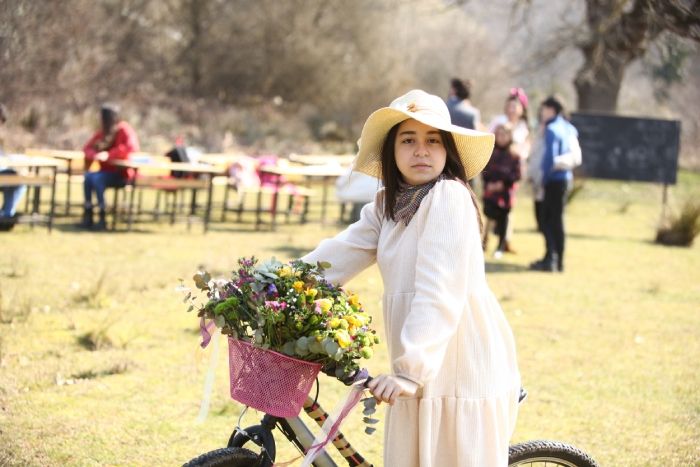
[391,176]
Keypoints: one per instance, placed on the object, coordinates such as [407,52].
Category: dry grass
[608,350]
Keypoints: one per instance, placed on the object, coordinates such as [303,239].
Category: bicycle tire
[226,457]
[550,453]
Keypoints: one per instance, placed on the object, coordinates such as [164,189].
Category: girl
[499,177]
[454,381]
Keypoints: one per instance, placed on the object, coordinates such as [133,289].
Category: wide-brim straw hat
[474,147]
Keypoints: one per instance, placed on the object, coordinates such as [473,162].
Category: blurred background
[303,75]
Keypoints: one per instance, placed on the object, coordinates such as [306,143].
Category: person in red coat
[115,140]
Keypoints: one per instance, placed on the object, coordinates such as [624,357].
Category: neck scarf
[409,197]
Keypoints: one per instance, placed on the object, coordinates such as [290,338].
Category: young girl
[454,382]
[499,177]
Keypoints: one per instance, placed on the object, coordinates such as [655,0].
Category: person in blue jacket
[558,137]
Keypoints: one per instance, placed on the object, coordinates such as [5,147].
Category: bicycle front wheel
[543,453]
[226,457]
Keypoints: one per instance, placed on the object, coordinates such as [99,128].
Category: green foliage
[95,296]
[669,69]
[15,309]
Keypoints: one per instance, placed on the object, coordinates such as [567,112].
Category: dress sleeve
[353,249]
[441,287]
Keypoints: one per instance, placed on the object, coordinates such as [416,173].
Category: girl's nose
[421,150]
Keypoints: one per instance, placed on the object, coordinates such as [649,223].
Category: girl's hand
[387,388]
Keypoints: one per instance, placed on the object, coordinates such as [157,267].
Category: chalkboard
[628,148]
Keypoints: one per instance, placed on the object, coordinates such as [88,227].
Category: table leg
[278,184]
[37,197]
[68,176]
[324,200]
[207,212]
[132,195]
[53,198]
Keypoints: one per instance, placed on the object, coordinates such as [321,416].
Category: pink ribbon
[205,331]
[350,402]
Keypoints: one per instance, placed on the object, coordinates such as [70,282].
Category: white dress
[445,330]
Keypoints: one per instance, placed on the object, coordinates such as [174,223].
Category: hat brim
[474,147]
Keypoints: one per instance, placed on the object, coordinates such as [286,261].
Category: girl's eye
[434,141]
[407,140]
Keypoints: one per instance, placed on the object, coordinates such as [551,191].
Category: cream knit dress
[445,330]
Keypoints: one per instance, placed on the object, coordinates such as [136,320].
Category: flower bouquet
[285,322]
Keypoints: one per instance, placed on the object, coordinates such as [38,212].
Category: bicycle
[260,439]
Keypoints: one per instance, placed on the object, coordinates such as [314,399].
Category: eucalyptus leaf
[369,430]
[370,421]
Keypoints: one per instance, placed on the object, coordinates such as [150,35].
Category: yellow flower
[324,304]
[354,300]
[284,271]
[343,338]
[335,323]
[297,274]
[354,320]
[311,292]
[298,286]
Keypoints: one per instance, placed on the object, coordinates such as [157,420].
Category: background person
[11,195]
[462,112]
[499,179]
[558,135]
[516,115]
[115,140]
[454,381]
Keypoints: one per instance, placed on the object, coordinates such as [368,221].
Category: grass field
[100,363]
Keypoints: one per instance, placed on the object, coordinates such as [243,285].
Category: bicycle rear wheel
[543,453]
[226,457]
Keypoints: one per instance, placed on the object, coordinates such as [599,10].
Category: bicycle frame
[296,431]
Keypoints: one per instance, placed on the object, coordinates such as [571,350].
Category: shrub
[681,230]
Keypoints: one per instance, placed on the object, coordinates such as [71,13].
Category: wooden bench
[34,178]
[298,194]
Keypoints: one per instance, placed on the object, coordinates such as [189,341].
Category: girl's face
[503,137]
[419,152]
[514,109]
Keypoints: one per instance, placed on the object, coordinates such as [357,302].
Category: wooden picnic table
[67,157]
[322,159]
[169,183]
[325,173]
[33,178]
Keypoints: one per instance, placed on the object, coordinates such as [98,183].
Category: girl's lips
[421,166]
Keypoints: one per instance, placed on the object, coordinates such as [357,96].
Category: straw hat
[474,147]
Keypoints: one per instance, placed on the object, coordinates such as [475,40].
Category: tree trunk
[617,35]
[598,85]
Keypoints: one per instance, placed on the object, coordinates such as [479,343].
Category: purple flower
[272,290]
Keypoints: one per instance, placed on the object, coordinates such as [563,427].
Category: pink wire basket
[269,381]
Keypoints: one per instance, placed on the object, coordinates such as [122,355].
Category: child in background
[499,180]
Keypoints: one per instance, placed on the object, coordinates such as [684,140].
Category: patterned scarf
[409,197]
